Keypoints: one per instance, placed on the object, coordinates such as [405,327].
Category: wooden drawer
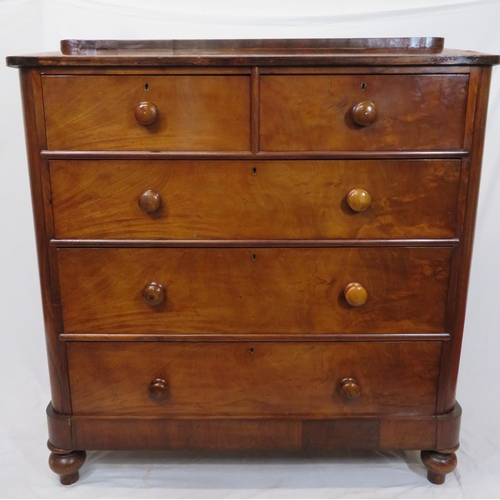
[265,290]
[255,200]
[195,112]
[313,112]
[253,379]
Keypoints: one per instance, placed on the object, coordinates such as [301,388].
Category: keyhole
[254,171]
[146,87]
[251,350]
[363,86]
[254,257]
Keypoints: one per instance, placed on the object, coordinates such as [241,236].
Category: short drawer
[118,199]
[183,379]
[194,113]
[314,112]
[265,290]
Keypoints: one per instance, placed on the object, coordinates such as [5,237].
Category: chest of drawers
[254,244]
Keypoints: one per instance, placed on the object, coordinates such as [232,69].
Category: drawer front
[255,200]
[265,290]
[253,379]
[194,112]
[313,112]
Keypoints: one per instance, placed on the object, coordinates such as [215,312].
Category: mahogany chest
[259,244]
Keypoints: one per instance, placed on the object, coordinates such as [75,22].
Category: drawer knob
[359,200]
[364,113]
[355,294]
[349,389]
[158,390]
[153,294]
[149,201]
[146,113]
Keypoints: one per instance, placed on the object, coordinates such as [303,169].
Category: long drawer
[398,112]
[256,200]
[265,290]
[192,112]
[253,379]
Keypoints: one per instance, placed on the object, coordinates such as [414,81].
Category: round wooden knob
[158,390]
[349,389]
[364,113]
[355,294]
[359,200]
[153,294]
[149,201]
[146,113]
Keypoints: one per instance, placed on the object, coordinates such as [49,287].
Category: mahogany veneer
[221,290]
[317,112]
[291,199]
[194,112]
[254,244]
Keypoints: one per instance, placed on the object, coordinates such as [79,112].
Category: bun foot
[438,464]
[66,463]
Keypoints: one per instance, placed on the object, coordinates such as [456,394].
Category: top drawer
[314,112]
[195,113]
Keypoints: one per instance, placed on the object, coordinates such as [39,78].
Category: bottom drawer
[251,379]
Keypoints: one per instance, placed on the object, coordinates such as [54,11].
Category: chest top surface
[270,52]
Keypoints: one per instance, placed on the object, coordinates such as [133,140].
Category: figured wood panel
[266,290]
[411,432]
[313,112]
[195,112]
[253,379]
[148,433]
[225,199]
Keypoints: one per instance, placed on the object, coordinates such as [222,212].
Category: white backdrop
[34,26]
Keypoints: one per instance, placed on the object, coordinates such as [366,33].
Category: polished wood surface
[254,290]
[438,464]
[306,112]
[66,463]
[359,200]
[276,199]
[146,113]
[355,294]
[462,261]
[273,53]
[149,201]
[411,432]
[194,112]
[153,294]
[44,230]
[249,245]
[158,390]
[349,389]
[216,243]
[253,379]
[365,112]
[429,45]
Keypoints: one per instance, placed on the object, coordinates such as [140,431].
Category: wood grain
[271,58]
[425,45]
[195,112]
[149,433]
[79,243]
[44,230]
[266,379]
[193,266]
[275,199]
[254,291]
[303,112]
[247,155]
[462,259]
